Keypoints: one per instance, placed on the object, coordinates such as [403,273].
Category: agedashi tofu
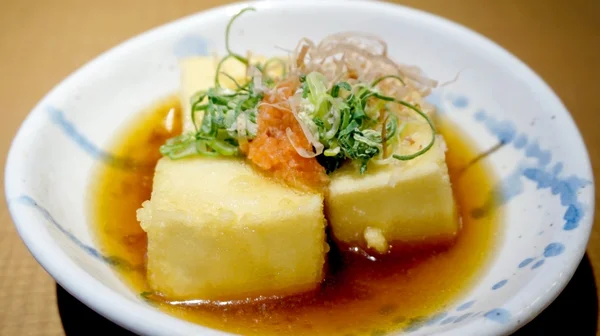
[405,201]
[218,230]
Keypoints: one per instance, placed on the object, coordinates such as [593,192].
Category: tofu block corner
[217,230]
[402,202]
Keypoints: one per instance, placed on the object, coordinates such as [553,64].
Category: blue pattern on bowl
[191,45]
[114,261]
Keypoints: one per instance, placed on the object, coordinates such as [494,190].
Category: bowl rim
[123,311]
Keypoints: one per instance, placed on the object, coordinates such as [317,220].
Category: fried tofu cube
[218,230]
[405,201]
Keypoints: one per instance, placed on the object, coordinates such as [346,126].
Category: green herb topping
[352,120]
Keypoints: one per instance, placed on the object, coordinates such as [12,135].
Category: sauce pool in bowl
[358,296]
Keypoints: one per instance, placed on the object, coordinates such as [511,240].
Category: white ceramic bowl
[545,170]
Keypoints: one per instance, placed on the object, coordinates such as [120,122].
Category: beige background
[43,41]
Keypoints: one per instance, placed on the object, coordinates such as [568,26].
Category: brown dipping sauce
[358,297]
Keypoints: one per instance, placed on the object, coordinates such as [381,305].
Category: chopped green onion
[380,79]
[227,30]
[239,87]
[433,132]
[335,90]
[346,119]
[331,152]
[281,62]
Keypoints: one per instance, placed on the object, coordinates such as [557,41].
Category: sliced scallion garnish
[349,122]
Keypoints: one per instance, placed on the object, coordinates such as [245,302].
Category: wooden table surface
[43,41]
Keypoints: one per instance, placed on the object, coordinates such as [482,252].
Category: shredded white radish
[383,162]
[275,105]
[256,76]
[240,125]
[335,121]
[301,151]
[354,56]
[453,80]
[309,136]
[294,102]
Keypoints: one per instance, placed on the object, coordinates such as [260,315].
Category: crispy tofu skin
[218,230]
[401,202]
